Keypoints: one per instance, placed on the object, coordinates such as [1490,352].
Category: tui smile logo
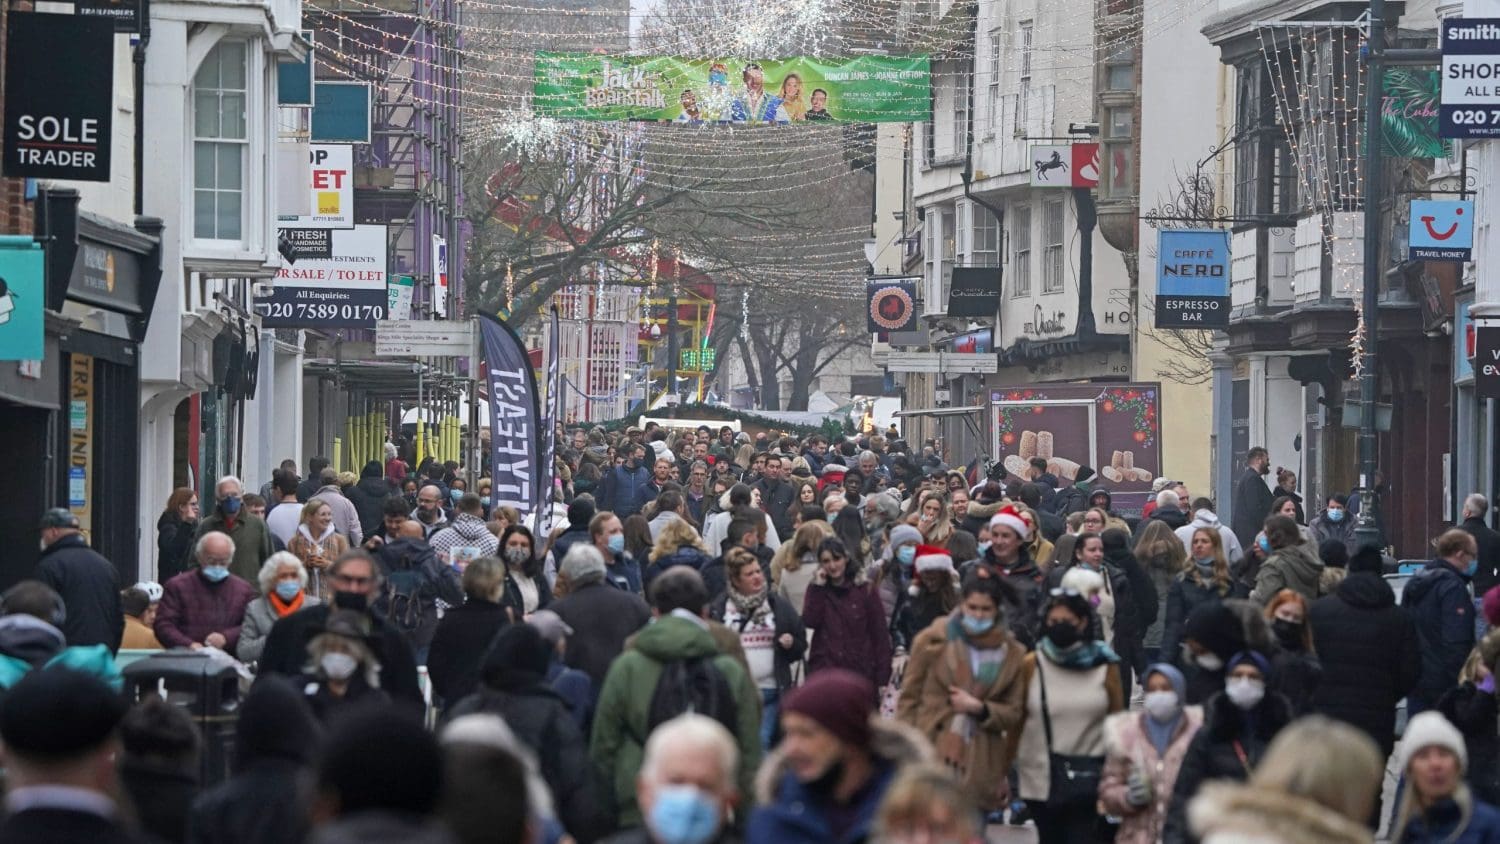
[1440,230]
[1428,220]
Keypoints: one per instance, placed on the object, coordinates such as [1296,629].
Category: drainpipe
[139,57]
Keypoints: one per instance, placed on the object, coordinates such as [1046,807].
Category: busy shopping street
[749,422]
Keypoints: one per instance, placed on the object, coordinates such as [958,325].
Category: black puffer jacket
[1215,752]
[368,497]
[1370,655]
[515,688]
[1184,596]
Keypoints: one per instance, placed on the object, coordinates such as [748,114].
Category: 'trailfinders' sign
[1487,362]
[1440,230]
[515,418]
[1471,78]
[1192,278]
[59,96]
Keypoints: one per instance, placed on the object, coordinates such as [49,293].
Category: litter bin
[207,687]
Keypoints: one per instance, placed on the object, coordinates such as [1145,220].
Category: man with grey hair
[1168,510]
[204,606]
[870,465]
[602,616]
[1476,506]
[689,769]
[881,510]
[252,539]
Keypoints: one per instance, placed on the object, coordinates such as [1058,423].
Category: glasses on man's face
[427,501]
[347,580]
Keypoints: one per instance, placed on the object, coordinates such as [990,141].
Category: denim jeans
[770,708]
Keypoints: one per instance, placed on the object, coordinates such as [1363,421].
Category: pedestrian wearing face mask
[962,688]
[1238,726]
[686,787]
[252,539]
[1295,669]
[355,579]
[1145,753]
[204,606]
[1439,604]
[1071,685]
[342,670]
[1334,524]
[893,576]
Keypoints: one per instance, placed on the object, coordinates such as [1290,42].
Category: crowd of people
[765,639]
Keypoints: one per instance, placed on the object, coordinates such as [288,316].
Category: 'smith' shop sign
[59,96]
[1192,278]
[1471,78]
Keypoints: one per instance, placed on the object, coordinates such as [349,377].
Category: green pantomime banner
[862,89]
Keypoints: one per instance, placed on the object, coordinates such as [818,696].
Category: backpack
[401,600]
[692,685]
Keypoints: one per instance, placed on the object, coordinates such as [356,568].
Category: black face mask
[351,601]
[1063,634]
[1289,633]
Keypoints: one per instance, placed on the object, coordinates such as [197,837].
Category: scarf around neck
[283,608]
[1159,734]
[753,608]
[1088,654]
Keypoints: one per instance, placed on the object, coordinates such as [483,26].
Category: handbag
[1074,779]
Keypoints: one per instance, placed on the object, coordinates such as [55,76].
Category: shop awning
[939,411]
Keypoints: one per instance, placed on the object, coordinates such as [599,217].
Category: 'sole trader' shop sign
[59,89]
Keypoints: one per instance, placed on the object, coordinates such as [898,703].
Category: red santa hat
[931,558]
[1017,520]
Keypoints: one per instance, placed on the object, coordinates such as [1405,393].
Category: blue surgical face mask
[906,554]
[1204,562]
[681,814]
[231,504]
[1472,568]
[1335,514]
[455,494]
[485,500]
[984,547]
[617,543]
[286,590]
[1264,543]
[976,626]
[215,573]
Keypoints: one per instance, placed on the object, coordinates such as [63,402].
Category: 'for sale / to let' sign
[1471,78]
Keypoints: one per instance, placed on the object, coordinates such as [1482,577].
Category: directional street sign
[423,338]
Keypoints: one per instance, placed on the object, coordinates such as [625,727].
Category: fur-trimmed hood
[890,740]
[1242,814]
[984,511]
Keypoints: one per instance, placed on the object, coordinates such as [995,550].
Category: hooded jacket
[368,497]
[1226,813]
[1128,748]
[27,643]
[1215,752]
[792,812]
[1030,583]
[267,800]
[1206,518]
[1370,654]
[1292,567]
[620,720]
[466,530]
[515,688]
[1440,607]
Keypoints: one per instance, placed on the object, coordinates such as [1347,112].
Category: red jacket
[191,608]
